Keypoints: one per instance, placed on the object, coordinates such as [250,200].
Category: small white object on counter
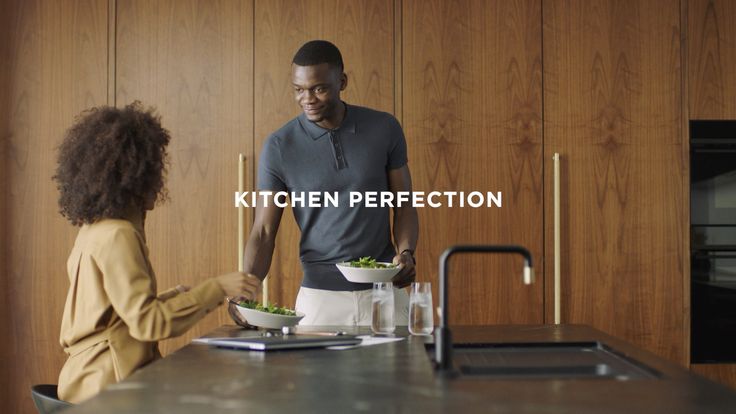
[367,340]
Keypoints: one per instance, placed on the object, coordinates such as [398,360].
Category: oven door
[713,183]
[713,249]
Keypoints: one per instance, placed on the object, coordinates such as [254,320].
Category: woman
[111,169]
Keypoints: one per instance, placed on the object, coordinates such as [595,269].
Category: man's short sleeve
[397,154]
[270,176]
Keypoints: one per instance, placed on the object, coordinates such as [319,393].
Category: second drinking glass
[421,321]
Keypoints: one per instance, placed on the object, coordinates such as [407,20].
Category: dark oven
[713,240]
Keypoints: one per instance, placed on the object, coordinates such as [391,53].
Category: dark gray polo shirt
[303,157]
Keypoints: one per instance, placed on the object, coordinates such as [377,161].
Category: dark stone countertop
[395,378]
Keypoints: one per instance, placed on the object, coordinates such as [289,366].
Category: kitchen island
[394,378]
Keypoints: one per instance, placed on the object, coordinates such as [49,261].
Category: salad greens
[269,308]
[370,263]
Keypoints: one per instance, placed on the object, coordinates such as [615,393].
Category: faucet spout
[443,337]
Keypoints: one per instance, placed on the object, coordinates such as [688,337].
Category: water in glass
[421,320]
[382,321]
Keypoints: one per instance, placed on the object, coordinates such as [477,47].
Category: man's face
[317,90]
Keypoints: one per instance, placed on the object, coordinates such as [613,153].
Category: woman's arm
[129,286]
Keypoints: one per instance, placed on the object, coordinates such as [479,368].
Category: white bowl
[367,274]
[268,320]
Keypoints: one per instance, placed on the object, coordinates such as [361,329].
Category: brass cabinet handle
[556,166]
[241,212]
[241,226]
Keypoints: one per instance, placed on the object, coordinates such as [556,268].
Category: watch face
[411,254]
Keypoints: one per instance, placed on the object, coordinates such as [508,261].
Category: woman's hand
[249,286]
[239,284]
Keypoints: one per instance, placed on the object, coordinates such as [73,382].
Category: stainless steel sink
[547,360]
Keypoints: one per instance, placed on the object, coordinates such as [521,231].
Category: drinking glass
[421,321]
[382,319]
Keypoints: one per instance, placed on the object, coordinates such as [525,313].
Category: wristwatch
[411,254]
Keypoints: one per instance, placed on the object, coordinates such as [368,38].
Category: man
[335,147]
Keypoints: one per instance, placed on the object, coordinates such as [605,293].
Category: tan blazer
[112,317]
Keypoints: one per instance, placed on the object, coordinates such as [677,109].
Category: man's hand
[250,284]
[407,274]
[236,316]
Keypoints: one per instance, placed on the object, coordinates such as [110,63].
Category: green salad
[269,308]
[370,263]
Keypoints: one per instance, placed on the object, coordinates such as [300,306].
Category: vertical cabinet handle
[241,227]
[556,166]
[241,212]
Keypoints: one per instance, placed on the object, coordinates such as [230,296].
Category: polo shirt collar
[316,132]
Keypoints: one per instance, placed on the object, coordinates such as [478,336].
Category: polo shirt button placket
[339,159]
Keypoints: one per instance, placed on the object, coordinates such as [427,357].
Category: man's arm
[405,228]
[259,249]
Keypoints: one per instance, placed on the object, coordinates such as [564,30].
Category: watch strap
[411,253]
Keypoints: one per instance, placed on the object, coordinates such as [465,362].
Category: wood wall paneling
[711,88]
[722,373]
[193,61]
[685,177]
[465,79]
[6,358]
[363,30]
[56,67]
[711,32]
[472,111]
[612,109]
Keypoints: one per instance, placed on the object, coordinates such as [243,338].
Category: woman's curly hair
[111,159]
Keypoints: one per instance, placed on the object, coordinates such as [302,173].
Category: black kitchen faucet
[442,336]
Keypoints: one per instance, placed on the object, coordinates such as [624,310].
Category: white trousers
[327,307]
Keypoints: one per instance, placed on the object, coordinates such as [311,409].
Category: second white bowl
[366,274]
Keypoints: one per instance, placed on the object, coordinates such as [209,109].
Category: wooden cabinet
[487,91]
[612,110]
[711,58]
[472,114]
[53,64]
[469,95]
[711,92]
[723,373]
[364,32]
[193,61]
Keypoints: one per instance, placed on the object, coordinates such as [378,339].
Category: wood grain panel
[685,131]
[722,373]
[711,34]
[56,66]
[613,110]
[363,30]
[193,61]
[472,111]
[6,358]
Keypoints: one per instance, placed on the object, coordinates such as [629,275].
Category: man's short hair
[316,52]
